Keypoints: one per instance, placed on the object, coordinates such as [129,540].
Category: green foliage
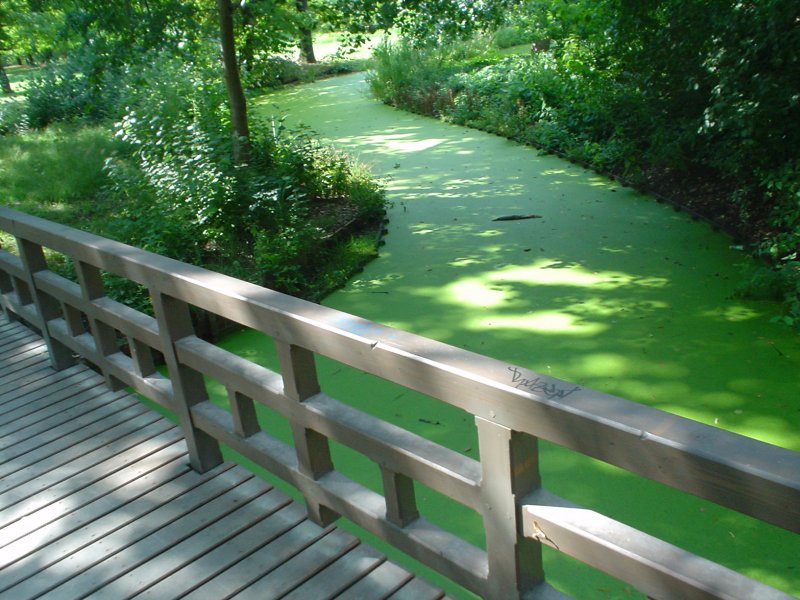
[167,181]
[509,36]
[274,71]
[780,283]
[427,21]
[181,195]
[638,89]
[56,173]
[416,77]
[84,86]
[13,117]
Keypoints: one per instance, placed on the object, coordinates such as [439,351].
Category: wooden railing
[512,408]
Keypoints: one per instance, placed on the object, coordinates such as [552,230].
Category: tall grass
[58,174]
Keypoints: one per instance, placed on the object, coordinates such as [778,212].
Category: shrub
[84,86]
[273,71]
[182,195]
[13,117]
[506,37]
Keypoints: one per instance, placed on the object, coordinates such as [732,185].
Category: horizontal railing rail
[513,408]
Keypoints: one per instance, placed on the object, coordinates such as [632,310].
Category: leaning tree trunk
[233,82]
[5,84]
[306,41]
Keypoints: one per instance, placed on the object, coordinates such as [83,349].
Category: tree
[5,84]
[306,41]
[233,83]
[421,20]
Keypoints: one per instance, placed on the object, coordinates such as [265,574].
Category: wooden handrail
[513,407]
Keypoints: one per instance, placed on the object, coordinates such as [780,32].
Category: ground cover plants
[707,117]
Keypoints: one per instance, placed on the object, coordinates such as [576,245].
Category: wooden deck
[97,498]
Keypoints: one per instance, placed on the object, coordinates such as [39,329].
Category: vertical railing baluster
[23,291]
[510,470]
[313,451]
[142,357]
[401,501]
[6,287]
[74,320]
[188,386]
[105,338]
[243,411]
[47,307]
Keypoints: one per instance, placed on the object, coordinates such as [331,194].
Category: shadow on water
[605,288]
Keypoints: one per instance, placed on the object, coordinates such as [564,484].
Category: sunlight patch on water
[734,313]
[476,293]
[550,272]
[397,142]
[546,321]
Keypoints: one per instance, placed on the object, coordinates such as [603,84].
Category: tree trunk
[5,84]
[306,41]
[233,82]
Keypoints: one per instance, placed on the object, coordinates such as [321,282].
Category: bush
[85,86]
[273,71]
[182,195]
[13,117]
[416,77]
[506,37]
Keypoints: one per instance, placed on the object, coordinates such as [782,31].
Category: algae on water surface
[608,289]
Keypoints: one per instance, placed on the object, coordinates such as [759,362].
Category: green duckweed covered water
[608,289]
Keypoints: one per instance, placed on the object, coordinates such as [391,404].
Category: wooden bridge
[96,497]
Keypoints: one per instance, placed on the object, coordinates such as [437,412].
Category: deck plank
[25,378]
[56,417]
[12,371]
[25,483]
[266,560]
[39,397]
[300,567]
[205,568]
[62,434]
[192,517]
[379,583]
[97,529]
[14,337]
[97,499]
[195,546]
[417,589]
[339,575]
[100,479]
[60,403]
[52,520]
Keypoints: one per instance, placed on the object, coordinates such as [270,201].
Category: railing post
[313,451]
[188,387]
[47,307]
[510,470]
[105,338]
